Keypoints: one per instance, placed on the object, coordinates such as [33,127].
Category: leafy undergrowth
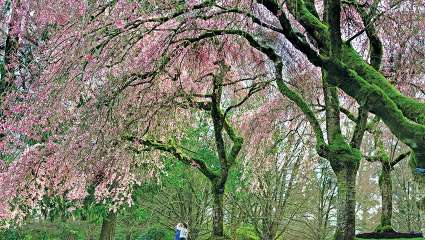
[77,230]
[52,231]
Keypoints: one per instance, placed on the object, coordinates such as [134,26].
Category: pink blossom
[120,24]
[89,57]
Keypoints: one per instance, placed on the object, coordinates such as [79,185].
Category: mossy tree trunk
[218,211]
[346,202]
[385,182]
[108,226]
[385,186]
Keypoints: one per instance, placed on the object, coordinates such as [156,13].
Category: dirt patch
[389,235]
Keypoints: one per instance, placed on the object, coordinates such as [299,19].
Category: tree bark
[346,203]
[218,213]
[108,227]
[235,221]
[268,236]
[385,186]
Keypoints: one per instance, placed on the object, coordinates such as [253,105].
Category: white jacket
[184,232]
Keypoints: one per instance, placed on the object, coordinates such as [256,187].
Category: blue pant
[177,235]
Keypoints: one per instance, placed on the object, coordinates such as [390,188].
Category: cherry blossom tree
[88,133]
[117,71]
[32,174]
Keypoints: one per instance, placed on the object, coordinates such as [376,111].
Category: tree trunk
[365,218]
[236,219]
[268,224]
[234,231]
[108,227]
[218,215]
[346,203]
[385,186]
[268,236]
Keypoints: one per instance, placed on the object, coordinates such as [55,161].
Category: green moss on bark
[379,103]
[342,155]
[310,22]
[385,228]
[411,108]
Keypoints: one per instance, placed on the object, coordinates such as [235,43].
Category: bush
[247,233]
[11,234]
[156,234]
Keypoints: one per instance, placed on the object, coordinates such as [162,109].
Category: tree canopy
[99,91]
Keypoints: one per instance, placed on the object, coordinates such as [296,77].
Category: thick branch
[176,151]
[293,36]
[349,114]
[236,139]
[334,21]
[400,158]
[333,126]
[361,128]
[306,15]
[217,116]
[311,7]
[411,108]
[380,104]
[376,49]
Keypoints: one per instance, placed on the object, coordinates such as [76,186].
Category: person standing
[184,232]
[179,228]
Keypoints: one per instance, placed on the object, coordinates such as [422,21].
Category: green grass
[53,231]
[80,230]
